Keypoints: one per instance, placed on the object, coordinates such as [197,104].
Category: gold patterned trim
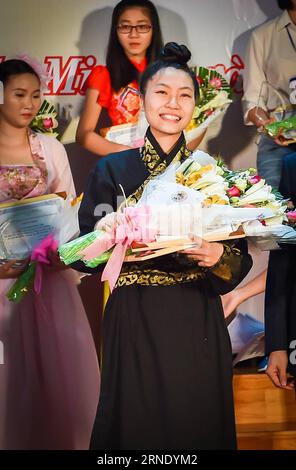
[154,277]
[155,165]
[228,264]
[228,268]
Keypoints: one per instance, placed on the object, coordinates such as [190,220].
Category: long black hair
[285,4]
[172,55]
[15,67]
[122,71]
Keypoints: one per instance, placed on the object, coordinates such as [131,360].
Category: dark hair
[15,67]
[122,71]
[172,55]
[285,4]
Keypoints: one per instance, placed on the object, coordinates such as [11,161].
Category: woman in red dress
[135,41]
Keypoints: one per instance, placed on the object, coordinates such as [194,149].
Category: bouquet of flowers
[220,185]
[45,121]
[239,199]
[214,97]
[200,196]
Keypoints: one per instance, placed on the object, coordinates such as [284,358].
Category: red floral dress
[123,106]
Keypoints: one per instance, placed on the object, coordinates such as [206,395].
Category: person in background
[280,298]
[135,40]
[49,381]
[270,57]
[269,69]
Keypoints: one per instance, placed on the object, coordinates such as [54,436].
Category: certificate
[23,224]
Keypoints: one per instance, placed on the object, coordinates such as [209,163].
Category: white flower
[218,188]
[183,167]
[207,179]
[220,100]
[256,187]
[195,166]
[277,220]
[262,195]
[241,184]
[277,207]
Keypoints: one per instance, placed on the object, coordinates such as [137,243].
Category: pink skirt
[49,375]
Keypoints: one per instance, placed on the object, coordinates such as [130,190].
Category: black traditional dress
[167,365]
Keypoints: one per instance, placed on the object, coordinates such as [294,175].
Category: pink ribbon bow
[135,227]
[40,256]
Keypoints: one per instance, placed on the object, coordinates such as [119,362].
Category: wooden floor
[265,415]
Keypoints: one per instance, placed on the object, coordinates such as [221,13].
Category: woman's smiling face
[169,101]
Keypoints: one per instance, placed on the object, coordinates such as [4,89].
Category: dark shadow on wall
[95,30]
[269,8]
[173,26]
[93,40]
[94,34]
[233,123]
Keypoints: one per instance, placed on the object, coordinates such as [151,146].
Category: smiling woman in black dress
[167,369]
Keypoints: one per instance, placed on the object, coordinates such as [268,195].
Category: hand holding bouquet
[200,196]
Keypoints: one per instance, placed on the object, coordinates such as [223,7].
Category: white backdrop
[71,35]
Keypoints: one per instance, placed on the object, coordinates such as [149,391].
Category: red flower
[292,215]
[199,81]
[216,83]
[233,192]
[208,112]
[254,179]
[47,123]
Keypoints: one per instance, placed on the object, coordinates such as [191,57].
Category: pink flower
[292,215]
[47,123]
[39,68]
[254,179]
[208,112]
[233,192]
[199,81]
[216,83]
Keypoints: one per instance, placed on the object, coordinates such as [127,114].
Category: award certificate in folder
[24,223]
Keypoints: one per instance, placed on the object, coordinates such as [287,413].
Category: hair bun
[177,53]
